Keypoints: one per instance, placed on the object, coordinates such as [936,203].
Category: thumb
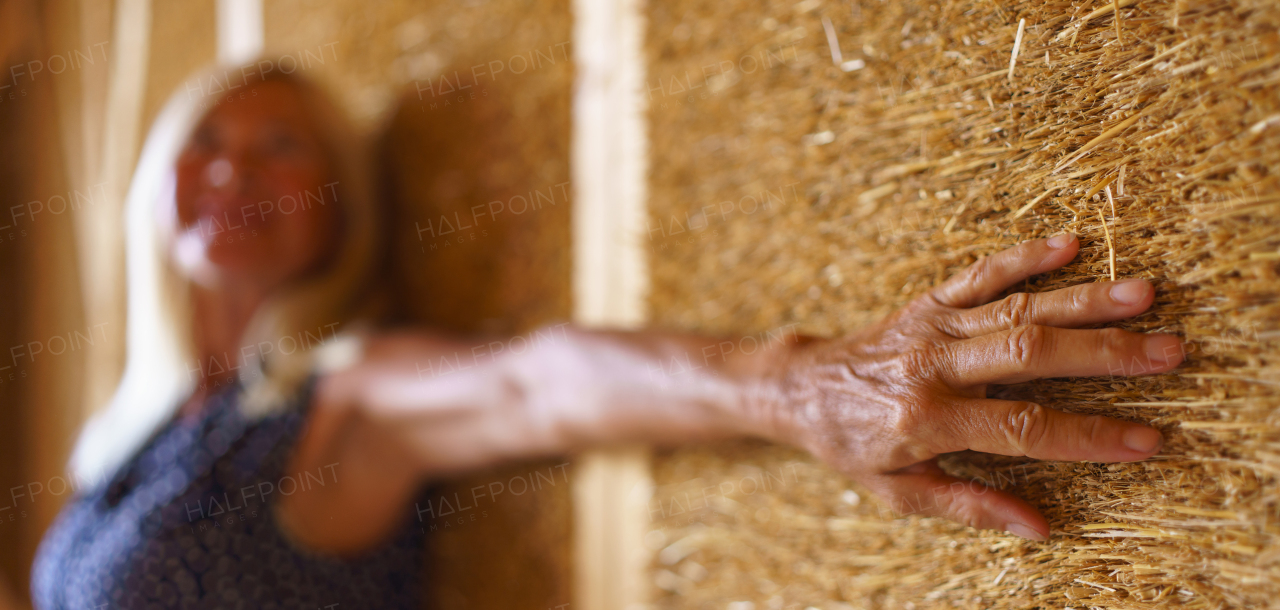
[924,489]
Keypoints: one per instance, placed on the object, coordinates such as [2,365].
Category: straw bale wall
[795,191]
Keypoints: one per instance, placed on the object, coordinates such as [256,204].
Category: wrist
[769,409]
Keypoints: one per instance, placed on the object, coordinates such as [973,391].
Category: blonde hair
[159,346]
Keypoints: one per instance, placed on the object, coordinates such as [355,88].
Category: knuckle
[1112,342]
[905,423]
[923,304]
[951,501]
[966,513]
[932,300]
[919,364]
[947,327]
[1014,310]
[1095,429]
[980,270]
[1025,426]
[1078,300]
[1026,344]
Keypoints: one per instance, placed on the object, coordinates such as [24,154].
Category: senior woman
[249,222]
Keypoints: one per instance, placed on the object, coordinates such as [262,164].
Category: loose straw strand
[1116,7]
[1017,44]
[1110,247]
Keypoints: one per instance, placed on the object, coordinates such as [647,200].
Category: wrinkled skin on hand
[881,405]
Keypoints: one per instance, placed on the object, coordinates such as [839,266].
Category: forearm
[418,407]
[473,405]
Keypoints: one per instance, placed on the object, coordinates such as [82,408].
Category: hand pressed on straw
[883,404]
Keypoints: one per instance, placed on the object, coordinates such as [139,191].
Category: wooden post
[610,283]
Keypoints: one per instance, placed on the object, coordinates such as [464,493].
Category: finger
[1074,306]
[983,280]
[1037,352]
[1008,427]
[924,489]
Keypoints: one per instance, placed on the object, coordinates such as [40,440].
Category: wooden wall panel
[470,106]
[184,39]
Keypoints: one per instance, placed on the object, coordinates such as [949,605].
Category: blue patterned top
[187,523]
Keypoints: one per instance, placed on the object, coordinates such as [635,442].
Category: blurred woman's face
[255,205]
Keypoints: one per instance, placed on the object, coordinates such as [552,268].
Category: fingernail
[1129,292]
[1163,348]
[1143,439]
[1025,531]
[1060,241]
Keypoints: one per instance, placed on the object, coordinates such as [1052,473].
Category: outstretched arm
[419,406]
[879,405]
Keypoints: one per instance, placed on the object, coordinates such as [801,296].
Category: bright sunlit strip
[239,30]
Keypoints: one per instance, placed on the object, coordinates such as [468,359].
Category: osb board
[469,105]
[908,169]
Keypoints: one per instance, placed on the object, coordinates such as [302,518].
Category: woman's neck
[220,320]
